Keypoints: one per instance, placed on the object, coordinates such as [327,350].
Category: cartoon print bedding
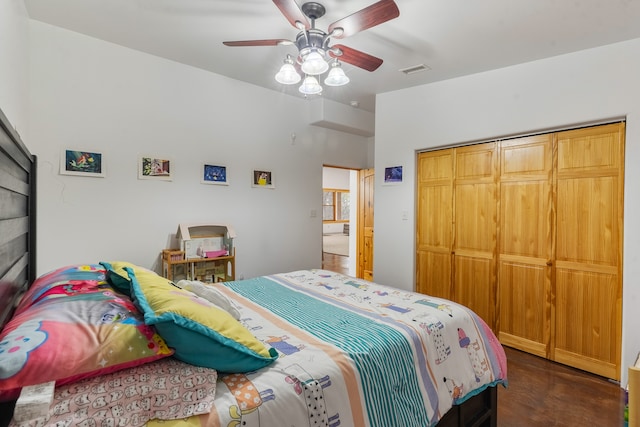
[353,353]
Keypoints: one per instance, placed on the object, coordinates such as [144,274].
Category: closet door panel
[475,217]
[434,274]
[525,243]
[475,229]
[585,327]
[473,277]
[435,230]
[587,220]
[434,223]
[589,249]
[524,306]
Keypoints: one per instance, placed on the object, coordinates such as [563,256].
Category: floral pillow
[72,326]
[167,389]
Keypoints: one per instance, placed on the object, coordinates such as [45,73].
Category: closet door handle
[549,263]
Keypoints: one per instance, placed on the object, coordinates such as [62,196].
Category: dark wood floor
[544,393]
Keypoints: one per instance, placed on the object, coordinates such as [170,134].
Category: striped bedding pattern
[354,353]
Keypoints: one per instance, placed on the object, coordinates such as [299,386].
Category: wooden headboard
[17,218]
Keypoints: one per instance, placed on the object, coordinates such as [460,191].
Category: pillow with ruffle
[199,332]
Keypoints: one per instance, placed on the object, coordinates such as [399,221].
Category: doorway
[339,213]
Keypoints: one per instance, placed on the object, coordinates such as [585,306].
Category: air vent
[415,69]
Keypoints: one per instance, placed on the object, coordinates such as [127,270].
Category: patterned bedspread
[354,353]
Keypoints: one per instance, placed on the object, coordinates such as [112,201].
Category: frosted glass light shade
[314,64]
[336,76]
[288,74]
[310,86]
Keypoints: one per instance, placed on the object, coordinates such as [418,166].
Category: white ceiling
[452,37]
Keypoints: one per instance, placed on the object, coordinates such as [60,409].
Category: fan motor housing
[310,40]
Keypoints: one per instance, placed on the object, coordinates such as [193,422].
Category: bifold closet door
[588,288]
[528,233]
[456,227]
[525,244]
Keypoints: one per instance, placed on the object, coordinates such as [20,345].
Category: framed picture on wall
[82,163]
[154,168]
[393,175]
[263,179]
[214,174]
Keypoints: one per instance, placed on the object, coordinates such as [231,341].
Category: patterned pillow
[71,325]
[167,389]
[200,332]
[65,281]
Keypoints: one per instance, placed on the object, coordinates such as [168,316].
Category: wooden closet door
[434,223]
[475,228]
[525,243]
[588,291]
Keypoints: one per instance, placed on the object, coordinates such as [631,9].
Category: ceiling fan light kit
[314,50]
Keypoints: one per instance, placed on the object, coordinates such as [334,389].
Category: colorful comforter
[354,353]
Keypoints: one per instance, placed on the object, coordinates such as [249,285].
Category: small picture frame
[82,163]
[263,179]
[154,168]
[214,174]
[393,175]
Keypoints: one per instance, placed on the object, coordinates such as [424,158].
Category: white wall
[92,95]
[335,178]
[14,70]
[563,91]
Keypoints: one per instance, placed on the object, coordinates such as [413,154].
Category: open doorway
[339,213]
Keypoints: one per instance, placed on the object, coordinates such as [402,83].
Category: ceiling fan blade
[370,16]
[356,57]
[293,13]
[271,42]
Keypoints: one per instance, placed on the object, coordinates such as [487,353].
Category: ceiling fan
[314,47]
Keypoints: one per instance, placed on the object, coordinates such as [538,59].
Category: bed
[308,347]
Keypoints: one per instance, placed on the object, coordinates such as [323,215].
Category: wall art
[393,175]
[214,174]
[154,168]
[263,179]
[82,163]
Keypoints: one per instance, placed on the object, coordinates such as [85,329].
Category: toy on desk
[212,254]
